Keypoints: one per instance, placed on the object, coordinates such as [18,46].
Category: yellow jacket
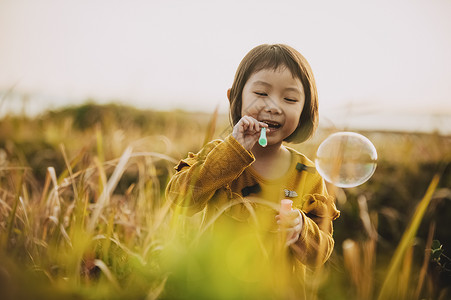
[219,181]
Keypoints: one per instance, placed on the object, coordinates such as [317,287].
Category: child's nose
[272,107]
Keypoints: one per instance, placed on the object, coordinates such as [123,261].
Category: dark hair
[273,57]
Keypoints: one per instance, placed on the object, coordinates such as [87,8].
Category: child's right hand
[247,131]
[291,222]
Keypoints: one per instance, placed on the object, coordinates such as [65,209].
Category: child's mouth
[272,125]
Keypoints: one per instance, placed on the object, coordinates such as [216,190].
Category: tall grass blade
[69,169]
[102,266]
[99,140]
[390,285]
[109,188]
[155,293]
[12,216]
[46,187]
[404,288]
[427,256]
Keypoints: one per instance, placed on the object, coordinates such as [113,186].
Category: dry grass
[82,215]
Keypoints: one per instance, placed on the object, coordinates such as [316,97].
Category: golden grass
[95,223]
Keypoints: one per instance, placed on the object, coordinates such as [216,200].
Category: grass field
[83,213]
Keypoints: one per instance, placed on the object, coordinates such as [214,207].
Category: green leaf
[436,245]
[435,254]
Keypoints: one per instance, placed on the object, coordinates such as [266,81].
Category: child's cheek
[253,108]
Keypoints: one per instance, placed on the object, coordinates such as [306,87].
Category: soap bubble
[346,159]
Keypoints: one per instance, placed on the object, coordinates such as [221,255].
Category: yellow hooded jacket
[219,180]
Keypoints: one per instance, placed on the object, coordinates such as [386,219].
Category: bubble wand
[262,140]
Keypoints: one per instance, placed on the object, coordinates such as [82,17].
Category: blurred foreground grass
[83,214]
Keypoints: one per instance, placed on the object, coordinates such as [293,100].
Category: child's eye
[291,100]
[261,94]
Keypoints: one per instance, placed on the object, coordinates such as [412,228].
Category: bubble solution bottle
[286,205]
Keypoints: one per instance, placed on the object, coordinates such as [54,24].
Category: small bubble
[346,159]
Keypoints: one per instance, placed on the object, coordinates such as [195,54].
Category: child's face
[274,97]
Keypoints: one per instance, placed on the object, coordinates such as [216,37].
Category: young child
[274,89]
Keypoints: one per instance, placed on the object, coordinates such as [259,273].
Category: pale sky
[375,62]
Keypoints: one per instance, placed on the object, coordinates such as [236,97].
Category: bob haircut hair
[274,57]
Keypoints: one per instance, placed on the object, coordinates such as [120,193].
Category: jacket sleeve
[200,175]
[315,243]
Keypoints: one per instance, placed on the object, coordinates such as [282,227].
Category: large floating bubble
[346,159]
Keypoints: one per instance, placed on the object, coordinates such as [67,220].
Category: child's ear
[228,94]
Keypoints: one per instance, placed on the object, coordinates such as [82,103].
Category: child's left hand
[290,222]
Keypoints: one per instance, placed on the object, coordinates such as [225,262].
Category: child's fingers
[293,234]
[247,131]
[297,229]
[245,123]
[253,124]
[263,125]
[291,223]
[245,126]
[292,238]
[288,223]
[289,218]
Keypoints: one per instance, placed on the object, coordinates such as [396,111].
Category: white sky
[373,60]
